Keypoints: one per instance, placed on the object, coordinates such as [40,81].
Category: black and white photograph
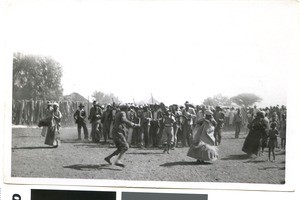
[130,93]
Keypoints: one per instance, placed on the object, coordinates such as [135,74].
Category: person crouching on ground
[118,133]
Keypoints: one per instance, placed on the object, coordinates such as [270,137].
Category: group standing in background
[168,127]
[153,123]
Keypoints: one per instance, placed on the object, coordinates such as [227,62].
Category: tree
[103,98]
[245,99]
[217,100]
[36,77]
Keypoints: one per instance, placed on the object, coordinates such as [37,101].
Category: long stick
[88,111]
[152,98]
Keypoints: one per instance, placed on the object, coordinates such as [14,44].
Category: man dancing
[118,133]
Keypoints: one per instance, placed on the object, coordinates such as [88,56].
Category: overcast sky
[176,50]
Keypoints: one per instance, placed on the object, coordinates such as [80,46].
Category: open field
[84,160]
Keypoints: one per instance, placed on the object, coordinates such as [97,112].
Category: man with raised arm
[118,133]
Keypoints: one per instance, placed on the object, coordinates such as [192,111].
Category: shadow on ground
[27,136]
[88,144]
[32,148]
[94,145]
[266,168]
[255,161]
[280,153]
[182,163]
[236,157]
[91,167]
[73,141]
[144,153]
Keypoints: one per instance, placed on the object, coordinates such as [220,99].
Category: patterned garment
[53,134]
[202,147]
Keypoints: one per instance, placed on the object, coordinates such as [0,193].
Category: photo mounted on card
[162,196]
[162,94]
[46,194]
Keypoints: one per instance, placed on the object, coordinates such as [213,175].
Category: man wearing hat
[106,121]
[94,117]
[118,133]
[219,116]
[189,114]
[145,126]
[79,117]
[154,124]
[131,114]
[168,120]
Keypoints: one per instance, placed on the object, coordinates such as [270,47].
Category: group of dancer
[198,127]
[263,133]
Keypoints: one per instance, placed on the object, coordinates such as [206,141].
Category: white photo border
[291,156]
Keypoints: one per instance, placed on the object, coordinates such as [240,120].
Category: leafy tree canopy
[103,98]
[36,77]
[246,99]
[217,100]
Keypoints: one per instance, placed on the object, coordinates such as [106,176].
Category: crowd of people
[265,126]
[159,126]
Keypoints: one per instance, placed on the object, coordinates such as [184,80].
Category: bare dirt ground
[78,159]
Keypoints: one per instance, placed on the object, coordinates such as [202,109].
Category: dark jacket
[80,116]
[95,114]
